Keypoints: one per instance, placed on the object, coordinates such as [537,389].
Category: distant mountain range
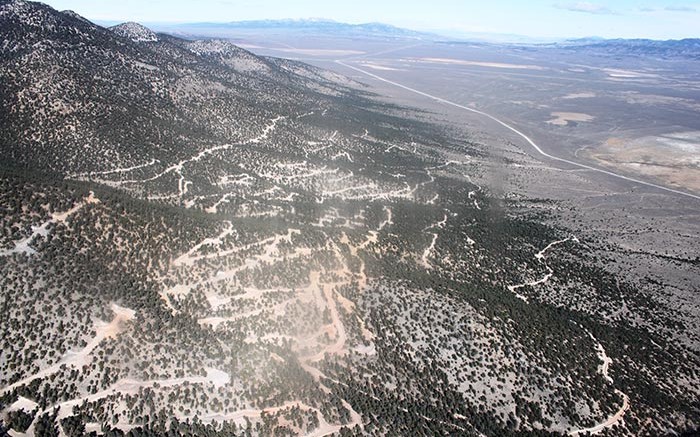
[671,49]
[309,26]
[329,29]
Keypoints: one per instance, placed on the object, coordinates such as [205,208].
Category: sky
[657,19]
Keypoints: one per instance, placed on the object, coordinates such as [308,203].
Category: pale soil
[380,67]
[322,52]
[583,95]
[131,387]
[24,245]
[673,159]
[478,64]
[563,118]
[82,357]
[627,74]
[23,403]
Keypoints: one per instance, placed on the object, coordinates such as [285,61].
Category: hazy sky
[537,18]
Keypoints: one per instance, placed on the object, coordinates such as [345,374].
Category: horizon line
[460,34]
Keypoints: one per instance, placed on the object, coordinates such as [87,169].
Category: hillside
[96,93]
[199,241]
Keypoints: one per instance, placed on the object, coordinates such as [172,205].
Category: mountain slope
[198,241]
[96,93]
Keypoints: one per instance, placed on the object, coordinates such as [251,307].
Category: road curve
[525,137]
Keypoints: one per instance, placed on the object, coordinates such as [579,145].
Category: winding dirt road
[539,256]
[613,420]
[82,357]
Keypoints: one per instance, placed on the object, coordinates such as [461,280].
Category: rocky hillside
[198,241]
[76,96]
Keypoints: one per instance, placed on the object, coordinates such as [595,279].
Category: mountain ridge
[125,85]
[686,48]
[380,28]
